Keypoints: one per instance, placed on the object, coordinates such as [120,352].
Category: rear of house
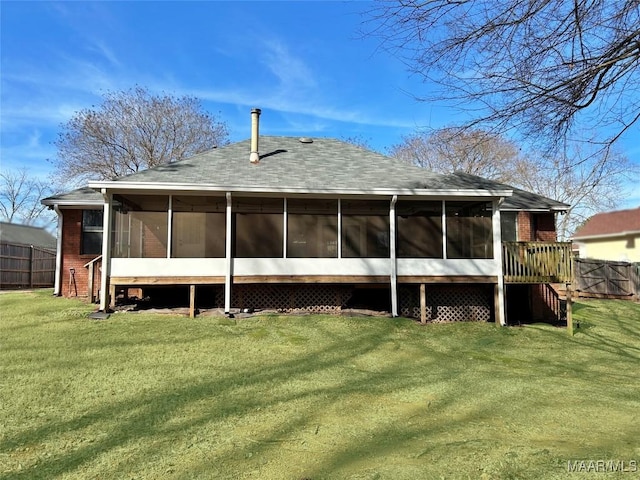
[313,224]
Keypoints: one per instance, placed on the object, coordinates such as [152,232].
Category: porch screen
[312,228]
[469,230]
[419,229]
[365,228]
[199,227]
[140,227]
[258,227]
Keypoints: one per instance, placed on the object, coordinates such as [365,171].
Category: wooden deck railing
[537,262]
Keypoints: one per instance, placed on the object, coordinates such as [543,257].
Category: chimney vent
[254,157]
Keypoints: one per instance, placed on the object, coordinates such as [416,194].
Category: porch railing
[537,262]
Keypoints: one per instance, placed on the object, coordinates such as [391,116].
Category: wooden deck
[537,262]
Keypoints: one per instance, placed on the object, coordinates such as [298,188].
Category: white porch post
[106,251]
[170,227]
[57,279]
[497,255]
[228,265]
[392,254]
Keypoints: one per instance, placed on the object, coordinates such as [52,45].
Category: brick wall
[77,284]
[536,227]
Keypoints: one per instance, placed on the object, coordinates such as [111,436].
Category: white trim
[57,280]
[392,256]
[228,259]
[443,221]
[497,256]
[181,187]
[285,222]
[106,252]
[169,226]
[606,235]
[339,228]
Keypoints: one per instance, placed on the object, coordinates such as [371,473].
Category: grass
[147,396]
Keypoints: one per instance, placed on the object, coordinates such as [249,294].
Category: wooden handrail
[537,262]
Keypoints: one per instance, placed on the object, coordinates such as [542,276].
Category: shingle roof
[610,223]
[286,163]
[26,235]
[81,196]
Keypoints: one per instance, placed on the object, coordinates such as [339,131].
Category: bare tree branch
[131,131]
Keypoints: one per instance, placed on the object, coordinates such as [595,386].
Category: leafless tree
[455,149]
[133,130]
[589,180]
[20,197]
[548,68]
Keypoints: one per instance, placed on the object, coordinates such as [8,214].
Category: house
[610,236]
[27,257]
[284,222]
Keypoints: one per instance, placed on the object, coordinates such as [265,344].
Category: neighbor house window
[140,226]
[91,232]
[199,227]
[419,229]
[469,229]
[365,228]
[258,227]
[312,228]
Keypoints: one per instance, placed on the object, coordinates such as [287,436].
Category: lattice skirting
[315,298]
[448,303]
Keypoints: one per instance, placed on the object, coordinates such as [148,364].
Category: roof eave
[186,187]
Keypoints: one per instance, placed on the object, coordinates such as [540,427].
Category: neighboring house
[610,236]
[320,224]
[27,256]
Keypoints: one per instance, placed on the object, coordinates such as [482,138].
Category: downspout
[228,261]
[392,254]
[57,280]
[106,252]
[497,249]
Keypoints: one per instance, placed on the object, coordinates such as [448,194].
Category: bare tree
[20,197]
[454,149]
[589,181]
[131,131]
[549,68]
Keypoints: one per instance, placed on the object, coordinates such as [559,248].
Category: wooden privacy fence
[604,278]
[26,266]
[537,262]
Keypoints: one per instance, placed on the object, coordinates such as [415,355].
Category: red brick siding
[71,257]
[536,227]
[545,227]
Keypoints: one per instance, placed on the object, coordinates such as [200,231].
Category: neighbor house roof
[290,164]
[619,222]
[26,235]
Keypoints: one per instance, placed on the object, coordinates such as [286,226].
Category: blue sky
[303,63]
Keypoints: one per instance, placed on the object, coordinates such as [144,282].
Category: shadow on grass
[243,392]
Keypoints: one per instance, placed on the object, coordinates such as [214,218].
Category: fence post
[569,310]
[31,266]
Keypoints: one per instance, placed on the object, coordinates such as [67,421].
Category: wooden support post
[569,310]
[192,301]
[90,283]
[112,296]
[423,303]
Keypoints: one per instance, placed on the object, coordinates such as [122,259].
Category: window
[199,227]
[508,226]
[419,229]
[140,227]
[365,228]
[91,232]
[312,228]
[258,227]
[469,230]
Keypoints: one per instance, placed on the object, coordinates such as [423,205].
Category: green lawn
[151,396]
